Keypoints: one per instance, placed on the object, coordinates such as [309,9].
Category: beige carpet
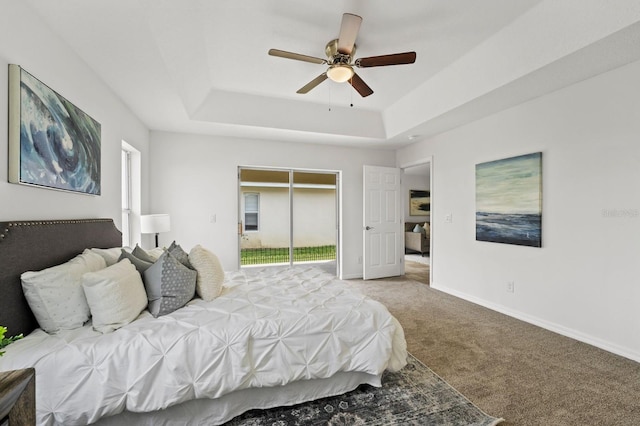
[509,368]
[416,271]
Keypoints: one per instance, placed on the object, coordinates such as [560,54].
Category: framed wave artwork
[509,200]
[419,202]
[52,143]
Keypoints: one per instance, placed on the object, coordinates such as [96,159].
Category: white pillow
[115,295]
[156,252]
[55,294]
[210,272]
[111,255]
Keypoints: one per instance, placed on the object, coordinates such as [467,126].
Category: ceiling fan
[340,53]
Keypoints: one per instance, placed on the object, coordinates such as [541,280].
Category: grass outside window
[259,256]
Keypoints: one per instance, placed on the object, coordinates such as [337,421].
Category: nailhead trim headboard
[39,244]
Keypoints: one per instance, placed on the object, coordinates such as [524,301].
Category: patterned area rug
[413,396]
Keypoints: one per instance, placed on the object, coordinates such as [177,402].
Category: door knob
[368,227]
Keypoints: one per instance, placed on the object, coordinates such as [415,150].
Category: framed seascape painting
[52,143]
[509,200]
[419,202]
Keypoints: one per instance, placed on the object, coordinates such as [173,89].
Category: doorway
[288,216]
[417,189]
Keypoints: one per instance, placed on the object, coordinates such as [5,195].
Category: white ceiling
[419,170]
[202,66]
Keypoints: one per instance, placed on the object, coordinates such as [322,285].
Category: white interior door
[382,228]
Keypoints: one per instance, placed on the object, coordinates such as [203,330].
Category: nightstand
[18,397]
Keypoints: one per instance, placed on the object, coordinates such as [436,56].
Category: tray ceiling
[202,66]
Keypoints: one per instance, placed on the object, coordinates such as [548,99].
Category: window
[251,211]
[126,198]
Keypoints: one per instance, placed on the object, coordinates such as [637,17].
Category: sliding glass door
[288,216]
[314,224]
[265,217]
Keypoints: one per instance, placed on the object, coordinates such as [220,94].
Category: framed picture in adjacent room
[52,143]
[509,200]
[419,202]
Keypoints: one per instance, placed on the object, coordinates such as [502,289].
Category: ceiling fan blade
[296,56]
[379,61]
[348,32]
[360,86]
[313,83]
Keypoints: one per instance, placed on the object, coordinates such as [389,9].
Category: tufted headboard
[35,245]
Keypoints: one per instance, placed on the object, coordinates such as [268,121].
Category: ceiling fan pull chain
[351,94]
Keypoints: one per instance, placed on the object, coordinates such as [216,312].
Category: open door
[382,227]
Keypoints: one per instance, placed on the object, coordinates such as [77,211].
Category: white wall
[26,41]
[194,177]
[583,282]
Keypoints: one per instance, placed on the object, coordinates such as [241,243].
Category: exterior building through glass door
[287,216]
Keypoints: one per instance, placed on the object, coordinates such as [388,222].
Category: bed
[274,336]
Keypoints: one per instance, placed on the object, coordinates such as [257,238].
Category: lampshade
[154,223]
[340,73]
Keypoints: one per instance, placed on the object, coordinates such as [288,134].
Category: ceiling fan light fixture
[340,58]
[340,73]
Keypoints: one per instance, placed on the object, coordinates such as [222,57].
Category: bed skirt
[220,410]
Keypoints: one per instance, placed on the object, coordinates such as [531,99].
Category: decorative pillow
[210,273]
[155,253]
[169,284]
[55,294]
[111,255]
[141,265]
[141,254]
[427,228]
[115,295]
[418,228]
[180,254]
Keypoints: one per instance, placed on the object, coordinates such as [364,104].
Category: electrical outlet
[511,287]
[448,218]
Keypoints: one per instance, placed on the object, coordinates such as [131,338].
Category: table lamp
[154,224]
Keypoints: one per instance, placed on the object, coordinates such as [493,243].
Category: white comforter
[266,329]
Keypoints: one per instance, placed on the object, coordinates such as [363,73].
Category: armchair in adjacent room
[416,237]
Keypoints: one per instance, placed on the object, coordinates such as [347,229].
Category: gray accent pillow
[169,284]
[180,254]
[140,253]
[140,264]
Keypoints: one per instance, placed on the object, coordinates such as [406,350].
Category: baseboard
[547,325]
